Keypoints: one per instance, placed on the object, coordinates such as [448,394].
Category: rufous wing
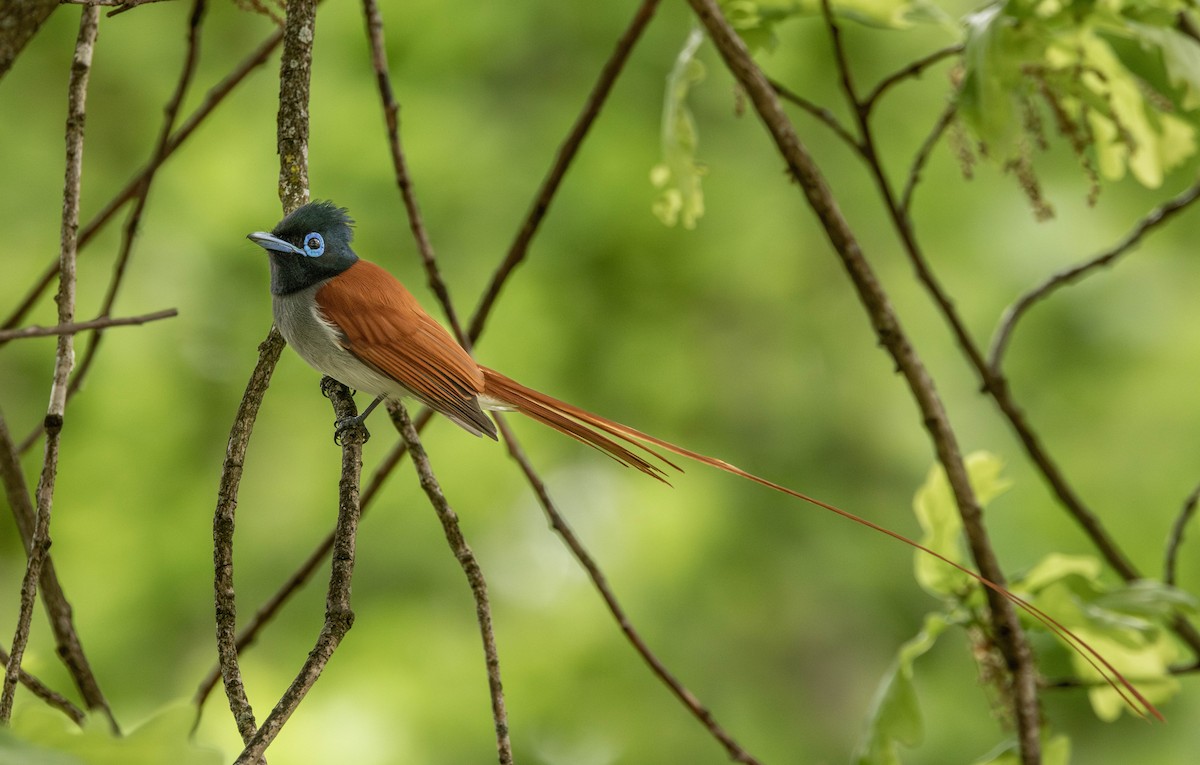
[382,325]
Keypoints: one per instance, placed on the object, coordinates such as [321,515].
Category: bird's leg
[343,424]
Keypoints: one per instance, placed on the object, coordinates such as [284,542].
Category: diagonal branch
[215,96]
[171,112]
[600,582]
[466,559]
[391,114]
[886,323]
[566,153]
[1073,274]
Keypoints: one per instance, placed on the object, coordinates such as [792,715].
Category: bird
[355,322]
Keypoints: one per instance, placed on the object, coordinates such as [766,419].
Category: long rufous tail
[620,442]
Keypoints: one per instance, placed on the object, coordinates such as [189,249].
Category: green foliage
[41,736]
[941,524]
[1117,117]
[895,716]
[1125,624]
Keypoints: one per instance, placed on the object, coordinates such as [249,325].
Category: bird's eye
[314,245]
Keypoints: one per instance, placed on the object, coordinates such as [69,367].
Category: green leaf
[895,716]
[1021,55]
[678,175]
[41,736]
[1125,624]
[937,512]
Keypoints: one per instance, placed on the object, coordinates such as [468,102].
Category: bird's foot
[352,427]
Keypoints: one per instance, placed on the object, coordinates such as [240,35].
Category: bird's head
[310,245]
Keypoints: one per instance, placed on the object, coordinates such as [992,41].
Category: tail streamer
[607,436]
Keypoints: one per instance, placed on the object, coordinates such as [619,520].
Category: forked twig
[338,615]
[566,153]
[170,113]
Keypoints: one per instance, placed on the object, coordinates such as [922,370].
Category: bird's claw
[344,426]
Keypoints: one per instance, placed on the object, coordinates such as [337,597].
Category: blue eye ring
[314,245]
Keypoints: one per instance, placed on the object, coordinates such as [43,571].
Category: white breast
[319,343]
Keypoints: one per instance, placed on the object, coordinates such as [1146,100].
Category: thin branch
[391,114]
[267,611]
[820,112]
[101,322]
[295,75]
[566,154]
[1175,539]
[81,68]
[223,528]
[1010,638]
[466,558]
[215,96]
[1147,224]
[170,113]
[600,582]
[915,69]
[922,157]
[339,617]
[529,227]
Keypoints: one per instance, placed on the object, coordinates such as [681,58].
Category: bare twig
[170,113]
[566,153]
[295,73]
[1175,539]
[81,68]
[466,558]
[216,95]
[991,377]
[223,528]
[391,115]
[914,69]
[338,615]
[249,632]
[821,113]
[922,157]
[1147,224]
[887,327]
[600,582]
[101,322]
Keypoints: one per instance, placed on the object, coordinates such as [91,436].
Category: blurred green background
[740,338]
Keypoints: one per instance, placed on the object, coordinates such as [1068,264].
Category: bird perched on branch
[355,322]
